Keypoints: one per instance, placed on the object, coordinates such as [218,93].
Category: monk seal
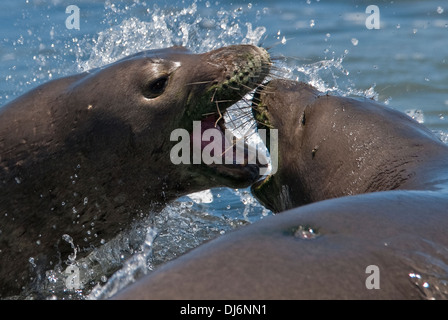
[331,146]
[368,188]
[84,156]
[324,250]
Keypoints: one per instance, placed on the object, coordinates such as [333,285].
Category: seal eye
[155,88]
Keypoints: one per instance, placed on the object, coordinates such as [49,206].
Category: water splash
[134,268]
[180,227]
[327,75]
[417,115]
[69,240]
[162,28]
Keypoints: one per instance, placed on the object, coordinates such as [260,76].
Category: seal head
[331,146]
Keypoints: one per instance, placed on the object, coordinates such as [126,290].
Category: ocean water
[403,62]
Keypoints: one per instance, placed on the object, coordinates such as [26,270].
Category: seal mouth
[234,71]
[224,149]
[221,154]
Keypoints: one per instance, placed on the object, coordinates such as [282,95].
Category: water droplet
[312,23]
[31,260]
[18,181]
[67,238]
[305,233]
[355,41]
[439,10]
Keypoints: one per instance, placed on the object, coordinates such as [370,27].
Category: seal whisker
[236,89]
[247,101]
[268,92]
[279,43]
[277,72]
[242,117]
[253,133]
[208,114]
[219,112]
[247,122]
[213,96]
[199,82]
[222,101]
[247,87]
[262,43]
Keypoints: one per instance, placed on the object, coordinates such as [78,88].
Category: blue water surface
[405,61]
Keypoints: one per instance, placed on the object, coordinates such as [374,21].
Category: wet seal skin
[88,154]
[390,230]
[332,146]
[366,189]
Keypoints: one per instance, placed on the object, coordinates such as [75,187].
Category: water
[326,43]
